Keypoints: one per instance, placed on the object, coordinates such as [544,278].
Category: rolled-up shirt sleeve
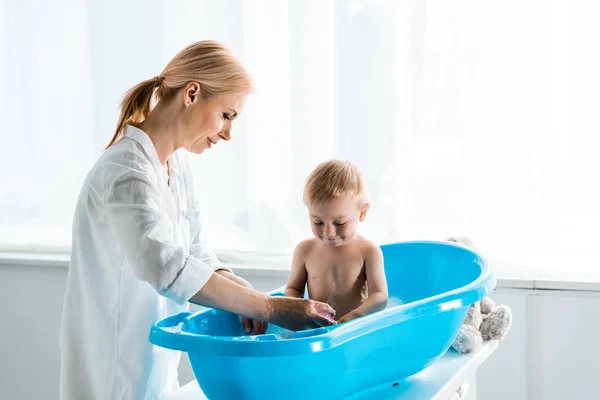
[200,248]
[145,235]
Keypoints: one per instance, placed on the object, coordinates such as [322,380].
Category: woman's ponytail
[135,106]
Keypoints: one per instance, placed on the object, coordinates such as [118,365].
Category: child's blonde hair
[207,62]
[333,179]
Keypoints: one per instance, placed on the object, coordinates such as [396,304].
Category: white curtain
[45,119]
[469,117]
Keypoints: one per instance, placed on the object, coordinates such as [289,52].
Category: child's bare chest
[335,273]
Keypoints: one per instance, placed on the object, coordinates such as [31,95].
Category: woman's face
[205,122]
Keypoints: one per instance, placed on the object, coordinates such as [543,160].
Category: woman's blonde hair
[207,62]
[333,179]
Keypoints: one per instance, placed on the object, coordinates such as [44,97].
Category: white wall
[549,354]
[551,351]
[30,309]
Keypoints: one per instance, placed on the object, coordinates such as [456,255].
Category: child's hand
[346,318]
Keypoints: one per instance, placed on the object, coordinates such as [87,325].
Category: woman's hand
[225,291]
[299,314]
[255,327]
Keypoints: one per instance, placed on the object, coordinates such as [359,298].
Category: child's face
[335,222]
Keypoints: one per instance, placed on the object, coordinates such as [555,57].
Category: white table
[438,382]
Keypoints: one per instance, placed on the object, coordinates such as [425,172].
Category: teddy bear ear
[463,240]
[487,305]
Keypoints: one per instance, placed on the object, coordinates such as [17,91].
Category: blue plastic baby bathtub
[430,284]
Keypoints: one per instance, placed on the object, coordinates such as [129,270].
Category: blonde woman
[136,252]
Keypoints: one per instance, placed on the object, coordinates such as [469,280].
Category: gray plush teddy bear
[485,320]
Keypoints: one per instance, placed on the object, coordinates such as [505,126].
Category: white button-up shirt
[136,257]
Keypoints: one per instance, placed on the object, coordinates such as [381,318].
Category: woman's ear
[192,93]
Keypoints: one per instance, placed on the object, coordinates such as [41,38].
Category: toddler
[338,266]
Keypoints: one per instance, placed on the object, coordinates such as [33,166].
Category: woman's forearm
[224,293]
[233,277]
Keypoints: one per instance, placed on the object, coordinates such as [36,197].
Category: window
[466,118]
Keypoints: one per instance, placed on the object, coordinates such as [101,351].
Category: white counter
[438,382]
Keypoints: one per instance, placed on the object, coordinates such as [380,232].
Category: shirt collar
[144,140]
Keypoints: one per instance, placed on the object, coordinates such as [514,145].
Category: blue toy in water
[431,286]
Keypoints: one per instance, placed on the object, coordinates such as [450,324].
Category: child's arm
[297,278]
[377,286]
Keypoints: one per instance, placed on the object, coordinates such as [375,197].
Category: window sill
[257,266]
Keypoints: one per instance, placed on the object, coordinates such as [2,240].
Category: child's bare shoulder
[305,247]
[368,248]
